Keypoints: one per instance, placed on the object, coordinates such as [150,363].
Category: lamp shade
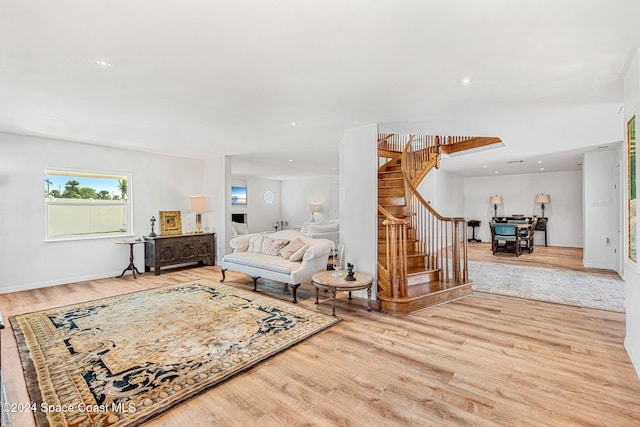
[495,200]
[313,208]
[543,198]
[198,204]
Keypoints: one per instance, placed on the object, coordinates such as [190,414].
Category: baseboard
[635,358]
[602,266]
[64,281]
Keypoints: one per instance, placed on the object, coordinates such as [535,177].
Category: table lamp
[198,205]
[495,201]
[542,199]
[313,208]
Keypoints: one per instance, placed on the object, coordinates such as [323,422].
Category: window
[86,204]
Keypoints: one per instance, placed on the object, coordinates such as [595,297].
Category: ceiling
[209,78]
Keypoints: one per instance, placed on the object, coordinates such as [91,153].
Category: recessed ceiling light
[210,146]
[53,118]
[485,166]
[293,123]
[466,81]
[496,172]
[539,161]
[103,63]
[541,169]
[290,160]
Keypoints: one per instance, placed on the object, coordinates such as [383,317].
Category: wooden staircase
[422,256]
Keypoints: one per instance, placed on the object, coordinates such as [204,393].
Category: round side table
[327,280]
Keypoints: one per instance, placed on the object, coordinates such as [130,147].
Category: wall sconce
[542,199]
[198,205]
[495,201]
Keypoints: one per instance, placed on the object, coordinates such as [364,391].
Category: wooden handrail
[442,239]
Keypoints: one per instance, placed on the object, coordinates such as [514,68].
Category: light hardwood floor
[482,360]
[542,256]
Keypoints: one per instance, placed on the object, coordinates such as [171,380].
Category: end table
[327,280]
[131,266]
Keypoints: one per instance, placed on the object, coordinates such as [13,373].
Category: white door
[617,214]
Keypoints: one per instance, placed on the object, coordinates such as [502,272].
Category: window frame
[72,172]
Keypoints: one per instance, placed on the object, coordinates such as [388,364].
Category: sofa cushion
[239,228]
[322,228]
[272,246]
[293,246]
[261,261]
[255,243]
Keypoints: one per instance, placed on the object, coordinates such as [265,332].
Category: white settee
[272,256]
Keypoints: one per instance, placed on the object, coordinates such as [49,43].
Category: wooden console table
[541,225]
[163,251]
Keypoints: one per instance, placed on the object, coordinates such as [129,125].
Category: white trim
[65,171]
[63,281]
[635,358]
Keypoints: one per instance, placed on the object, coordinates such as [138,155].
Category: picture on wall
[239,196]
[170,223]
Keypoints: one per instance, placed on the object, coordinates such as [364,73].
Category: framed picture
[170,223]
[239,196]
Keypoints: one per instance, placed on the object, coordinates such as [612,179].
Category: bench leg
[223,270]
[294,289]
[255,283]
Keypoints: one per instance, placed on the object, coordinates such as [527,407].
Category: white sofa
[249,256]
[323,230]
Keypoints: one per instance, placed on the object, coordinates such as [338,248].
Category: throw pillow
[272,246]
[255,243]
[291,248]
[297,256]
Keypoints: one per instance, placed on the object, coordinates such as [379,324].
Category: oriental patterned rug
[591,290]
[122,360]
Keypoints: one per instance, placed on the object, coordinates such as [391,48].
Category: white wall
[600,222]
[217,172]
[260,215]
[26,261]
[296,194]
[444,191]
[518,192]
[631,269]
[358,199]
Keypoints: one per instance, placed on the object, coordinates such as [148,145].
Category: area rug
[122,360]
[549,284]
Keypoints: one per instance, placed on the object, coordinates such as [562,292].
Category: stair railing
[443,239]
[396,257]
